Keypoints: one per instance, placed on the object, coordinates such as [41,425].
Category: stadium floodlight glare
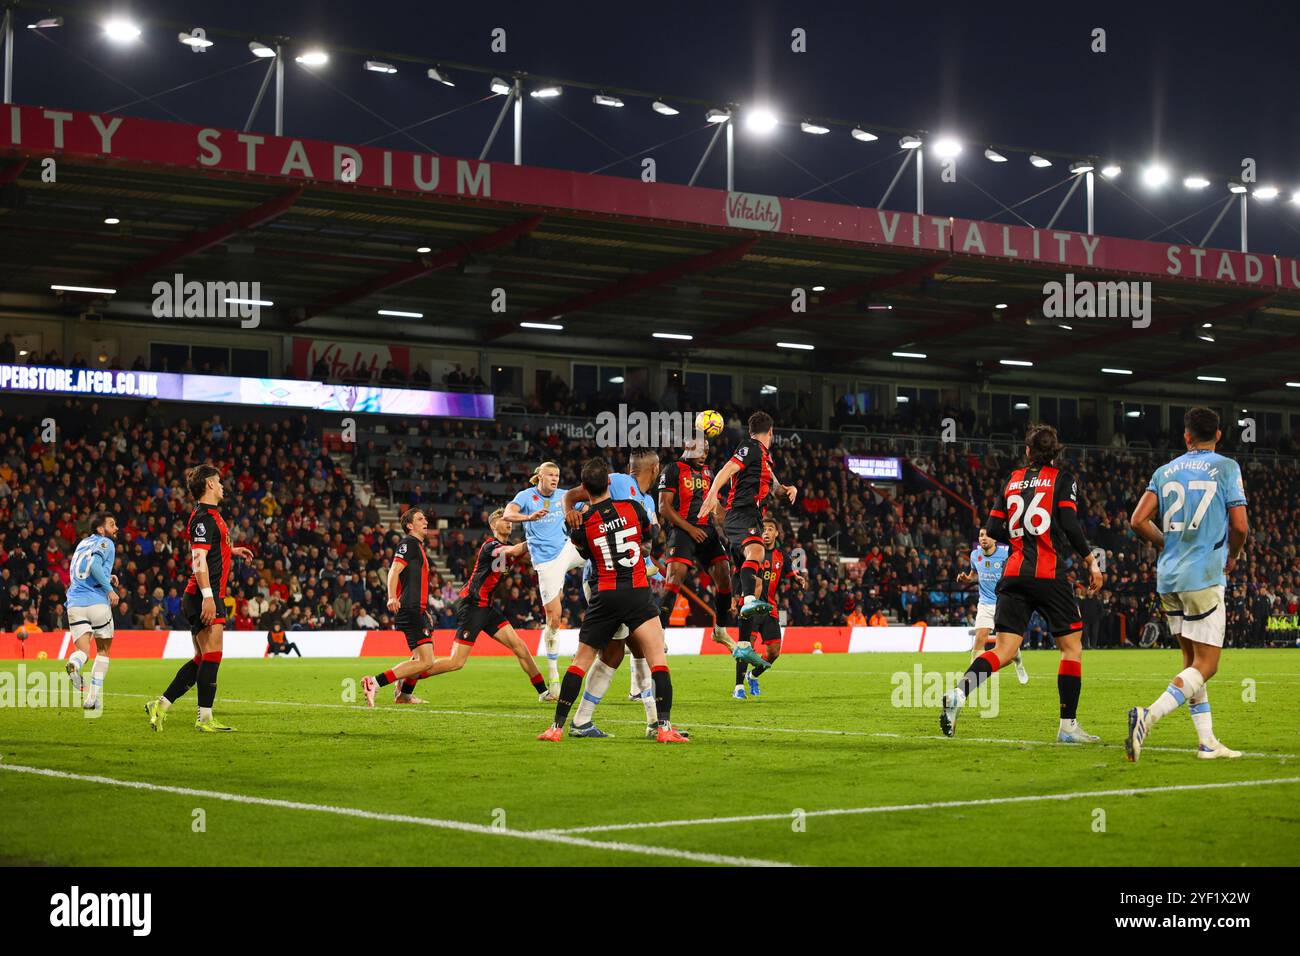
[760,120]
[193,42]
[1110,170]
[423,249]
[912,355]
[993,156]
[663,109]
[813,128]
[399,314]
[909,142]
[111,220]
[1196,182]
[1210,378]
[945,147]
[264,303]
[1000,305]
[767,390]
[681,336]
[313,58]
[1293,384]
[499,86]
[1237,188]
[795,345]
[862,136]
[545,326]
[545,92]
[1155,176]
[46,23]
[1022,406]
[1266,192]
[121,31]
[1133,413]
[437,75]
[1068,328]
[600,99]
[1208,325]
[819,288]
[1118,371]
[260,49]
[902,399]
[1205,338]
[617,380]
[717,116]
[82,288]
[1295,197]
[1042,162]
[1020,362]
[376,66]
[1082,166]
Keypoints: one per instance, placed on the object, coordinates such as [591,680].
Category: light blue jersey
[623,487]
[91,570]
[1194,493]
[989,568]
[546,537]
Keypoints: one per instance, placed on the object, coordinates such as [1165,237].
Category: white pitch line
[543,836]
[939,805]
[1006,741]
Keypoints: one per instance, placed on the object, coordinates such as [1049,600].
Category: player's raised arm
[515,515]
[720,480]
[576,494]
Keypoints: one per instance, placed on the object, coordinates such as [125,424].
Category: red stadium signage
[347,359]
[37,131]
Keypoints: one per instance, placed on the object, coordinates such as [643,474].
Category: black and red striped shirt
[413,578]
[752,483]
[207,531]
[614,537]
[689,481]
[1031,504]
[771,571]
[489,564]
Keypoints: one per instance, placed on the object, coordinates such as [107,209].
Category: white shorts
[984,615]
[92,617]
[550,574]
[1197,615]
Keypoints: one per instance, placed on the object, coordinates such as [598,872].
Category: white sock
[97,672]
[1199,707]
[205,713]
[1174,696]
[78,659]
[551,641]
[1069,723]
[598,679]
[642,667]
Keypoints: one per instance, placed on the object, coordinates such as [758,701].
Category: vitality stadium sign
[38,132]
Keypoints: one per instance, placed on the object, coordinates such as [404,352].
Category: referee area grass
[829,766]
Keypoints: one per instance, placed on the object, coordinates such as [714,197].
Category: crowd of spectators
[321,556]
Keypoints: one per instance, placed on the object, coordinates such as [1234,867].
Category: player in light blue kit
[90,605]
[986,564]
[1201,502]
[552,553]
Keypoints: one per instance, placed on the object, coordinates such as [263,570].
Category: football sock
[1199,706]
[1174,696]
[759,671]
[979,671]
[207,680]
[408,686]
[748,577]
[667,601]
[538,682]
[78,659]
[741,667]
[1069,682]
[182,682]
[649,688]
[551,638]
[722,608]
[570,688]
[598,680]
[100,668]
[663,699]
[386,678]
[637,685]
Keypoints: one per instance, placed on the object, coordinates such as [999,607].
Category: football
[709,422]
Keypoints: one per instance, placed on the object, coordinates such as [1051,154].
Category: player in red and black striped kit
[1037,512]
[693,538]
[204,600]
[752,480]
[614,536]
[774,568]
[408,599]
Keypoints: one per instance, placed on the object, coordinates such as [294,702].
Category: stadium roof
[614,259]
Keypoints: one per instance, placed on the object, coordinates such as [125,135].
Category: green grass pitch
[826,735]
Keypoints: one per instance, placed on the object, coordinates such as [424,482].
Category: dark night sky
[1198,86]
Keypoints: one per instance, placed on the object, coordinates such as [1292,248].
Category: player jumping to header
[90,605]
[550,549]
[1201,501]
[1037,511]
[986,565]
